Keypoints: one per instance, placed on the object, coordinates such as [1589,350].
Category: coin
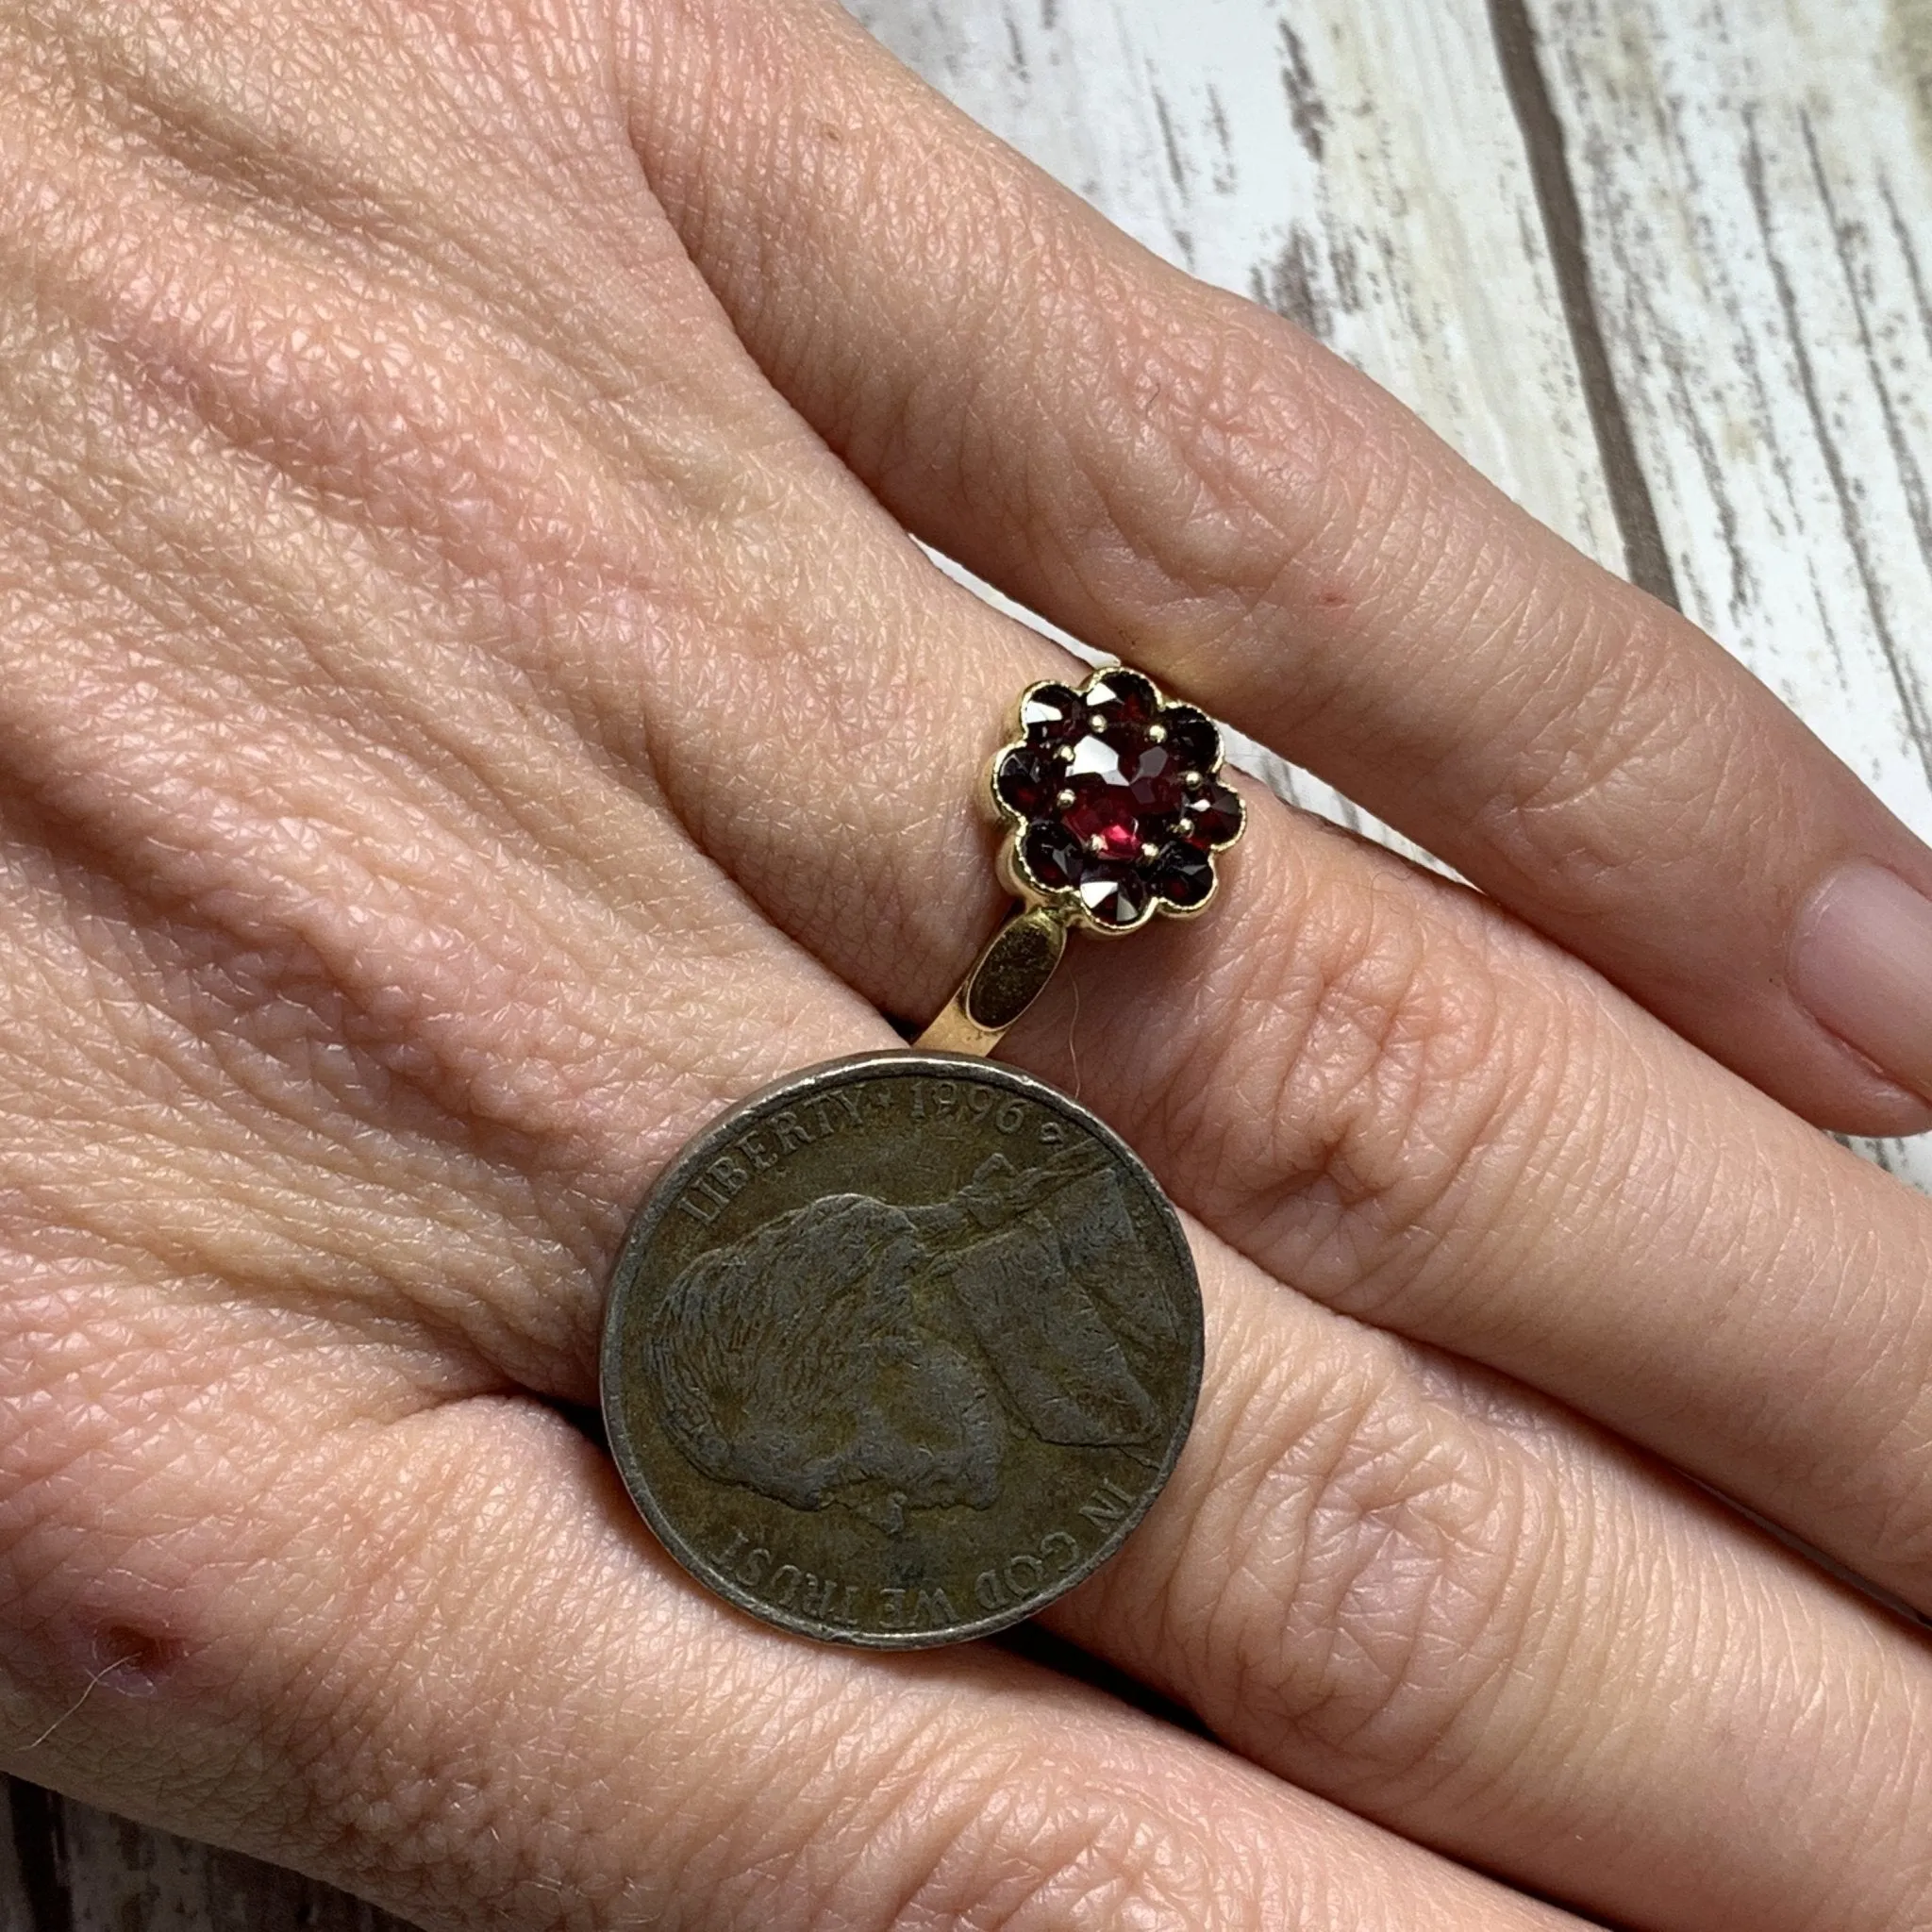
[900,1349]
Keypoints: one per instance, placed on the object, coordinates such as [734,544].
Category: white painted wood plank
[1756,182]
[1757,196]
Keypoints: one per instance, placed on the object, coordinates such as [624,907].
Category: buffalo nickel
[900,1349]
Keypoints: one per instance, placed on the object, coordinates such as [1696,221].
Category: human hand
[463,726]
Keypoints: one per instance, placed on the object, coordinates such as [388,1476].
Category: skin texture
[470,708]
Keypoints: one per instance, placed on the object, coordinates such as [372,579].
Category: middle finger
[1395,1098]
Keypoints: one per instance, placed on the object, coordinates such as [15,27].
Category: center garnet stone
[1121,784]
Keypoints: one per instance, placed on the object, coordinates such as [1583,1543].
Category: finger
[462,1684]
[1384,1092]
[1174,475]
[1440,1601]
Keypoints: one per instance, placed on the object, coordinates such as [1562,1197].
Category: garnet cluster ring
[1114,811]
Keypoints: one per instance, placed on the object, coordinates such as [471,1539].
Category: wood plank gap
[1647,559]
[39,1852]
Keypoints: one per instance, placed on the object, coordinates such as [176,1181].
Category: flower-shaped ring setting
[1113,803]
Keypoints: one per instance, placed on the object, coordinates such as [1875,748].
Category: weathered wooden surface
[1662,268]
[1758,206]
[69,1868]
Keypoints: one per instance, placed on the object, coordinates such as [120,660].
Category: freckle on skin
[134,1662]
[122,1661]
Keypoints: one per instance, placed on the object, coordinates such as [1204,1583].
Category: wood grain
[1661,268]
[1757,203]
[74,1869]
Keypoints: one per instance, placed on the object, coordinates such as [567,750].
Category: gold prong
[1062,799]
[1149,850]
[1156,734]
[1191,781]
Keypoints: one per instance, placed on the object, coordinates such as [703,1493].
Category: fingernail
[1861,960]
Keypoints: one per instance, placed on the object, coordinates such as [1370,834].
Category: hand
[471,709]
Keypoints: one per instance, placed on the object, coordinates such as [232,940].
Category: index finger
[1176,474]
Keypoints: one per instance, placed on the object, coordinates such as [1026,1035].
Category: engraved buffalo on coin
[900,1349]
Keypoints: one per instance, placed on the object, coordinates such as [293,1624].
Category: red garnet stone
[1114,799]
